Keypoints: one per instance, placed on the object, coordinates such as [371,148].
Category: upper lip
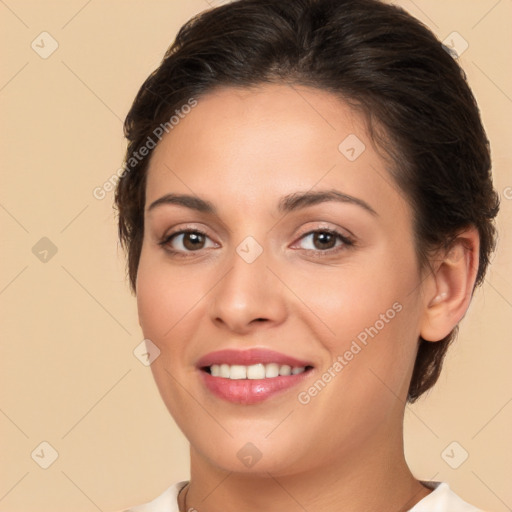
[249,357]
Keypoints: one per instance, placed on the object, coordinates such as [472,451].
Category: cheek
[164,296]
[154,302]
[365,293]
[165,302]
[370,313]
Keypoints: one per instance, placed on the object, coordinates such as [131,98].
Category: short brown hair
[374,56]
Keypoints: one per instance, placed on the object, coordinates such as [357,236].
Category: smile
[254,371]
[252,375]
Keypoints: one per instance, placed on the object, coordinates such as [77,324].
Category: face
[297,252]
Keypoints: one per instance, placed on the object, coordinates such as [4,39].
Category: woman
[307,207]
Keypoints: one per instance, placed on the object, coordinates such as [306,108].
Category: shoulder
[442,499]
[166,502]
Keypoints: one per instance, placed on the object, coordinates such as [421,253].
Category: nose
[247,296]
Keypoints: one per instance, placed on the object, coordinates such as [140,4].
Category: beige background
[68,373]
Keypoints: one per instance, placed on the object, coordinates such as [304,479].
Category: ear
[450,286]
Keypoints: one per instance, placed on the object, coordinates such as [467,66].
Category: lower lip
[251,391]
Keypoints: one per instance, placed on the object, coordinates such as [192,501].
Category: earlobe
[453,281]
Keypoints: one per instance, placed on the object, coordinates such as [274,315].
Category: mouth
[255,371]
[251,376]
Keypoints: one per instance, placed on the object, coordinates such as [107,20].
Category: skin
[242,150]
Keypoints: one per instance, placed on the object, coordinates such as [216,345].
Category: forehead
[278,118]
[249,146]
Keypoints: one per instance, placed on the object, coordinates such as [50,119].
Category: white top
[441,499]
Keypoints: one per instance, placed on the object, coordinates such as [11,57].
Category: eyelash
[347,242]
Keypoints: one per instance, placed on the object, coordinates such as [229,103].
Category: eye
[320,241]
[186,240]
[325,241]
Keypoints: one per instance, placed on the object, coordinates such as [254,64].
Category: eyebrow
[288,203]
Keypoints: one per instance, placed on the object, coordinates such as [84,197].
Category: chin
[256,457]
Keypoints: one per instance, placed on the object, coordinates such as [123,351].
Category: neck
[375,477]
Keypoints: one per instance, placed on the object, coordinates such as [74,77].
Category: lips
[250,389]
[249,357]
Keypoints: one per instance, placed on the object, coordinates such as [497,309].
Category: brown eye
[193,241]
[186,241]
[324,240]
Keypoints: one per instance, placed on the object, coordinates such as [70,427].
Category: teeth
[224,370]
[285,370]
[254,371]
[271,370]
[238,371]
